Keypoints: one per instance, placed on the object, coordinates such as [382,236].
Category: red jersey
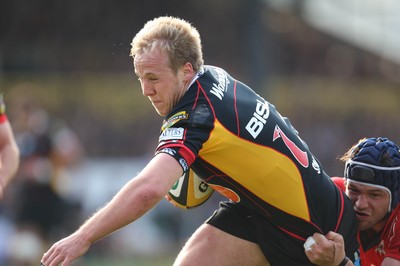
[384,244]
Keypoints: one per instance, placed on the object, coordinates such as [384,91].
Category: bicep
[163,171]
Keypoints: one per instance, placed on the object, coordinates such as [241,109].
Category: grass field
[166,261]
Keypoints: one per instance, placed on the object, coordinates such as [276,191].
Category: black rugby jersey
[238,143]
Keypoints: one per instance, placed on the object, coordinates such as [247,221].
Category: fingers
[327,250]
[320,239]
[316,241]
[322,251]
[335,237]
[45,261]
[308,244]
[309,249]
[65,251]
[53,257]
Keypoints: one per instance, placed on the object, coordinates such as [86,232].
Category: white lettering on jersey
[315,165]
[169,151]
[259,119]
[222,86]
[184,164]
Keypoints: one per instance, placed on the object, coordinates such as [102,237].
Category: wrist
[344,261]
[84,236]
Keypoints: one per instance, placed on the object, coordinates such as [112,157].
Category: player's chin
[160,109]
[363,225]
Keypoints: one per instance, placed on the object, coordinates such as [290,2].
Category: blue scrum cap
[376,161]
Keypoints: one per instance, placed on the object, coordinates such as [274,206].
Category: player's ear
[187,70]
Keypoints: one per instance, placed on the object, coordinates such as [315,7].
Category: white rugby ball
[189,191]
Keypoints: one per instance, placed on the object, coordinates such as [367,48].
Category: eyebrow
[145,74]
[352,186]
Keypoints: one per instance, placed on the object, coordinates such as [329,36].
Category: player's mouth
[155,102]
[361,215]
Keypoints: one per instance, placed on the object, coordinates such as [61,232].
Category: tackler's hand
[325,250]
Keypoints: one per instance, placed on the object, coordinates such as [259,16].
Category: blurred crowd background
[84,129]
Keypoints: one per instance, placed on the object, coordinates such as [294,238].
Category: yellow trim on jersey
[275,178]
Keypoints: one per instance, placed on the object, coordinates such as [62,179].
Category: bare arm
[137,197]
[9,155]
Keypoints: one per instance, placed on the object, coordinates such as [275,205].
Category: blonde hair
[176,36]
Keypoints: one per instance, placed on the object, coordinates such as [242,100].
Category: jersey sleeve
[180,152]
[183,134]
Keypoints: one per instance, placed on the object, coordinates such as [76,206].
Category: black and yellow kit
[242,147]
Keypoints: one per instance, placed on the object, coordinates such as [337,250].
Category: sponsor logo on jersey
[184,164]
[172,133]
[177,187]
[259,119]
[222,86]
[174,119]
[299,155]
[316,165]
[380,249]
[168,151]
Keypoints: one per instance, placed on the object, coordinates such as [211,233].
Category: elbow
[149,197]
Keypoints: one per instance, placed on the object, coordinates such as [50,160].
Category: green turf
[167,261]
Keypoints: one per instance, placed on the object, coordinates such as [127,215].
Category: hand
[65,251]
[327,250]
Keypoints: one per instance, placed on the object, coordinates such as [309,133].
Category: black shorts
[278,247]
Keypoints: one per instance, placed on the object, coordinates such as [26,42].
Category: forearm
[9,162]
[130,203]
[9,152]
